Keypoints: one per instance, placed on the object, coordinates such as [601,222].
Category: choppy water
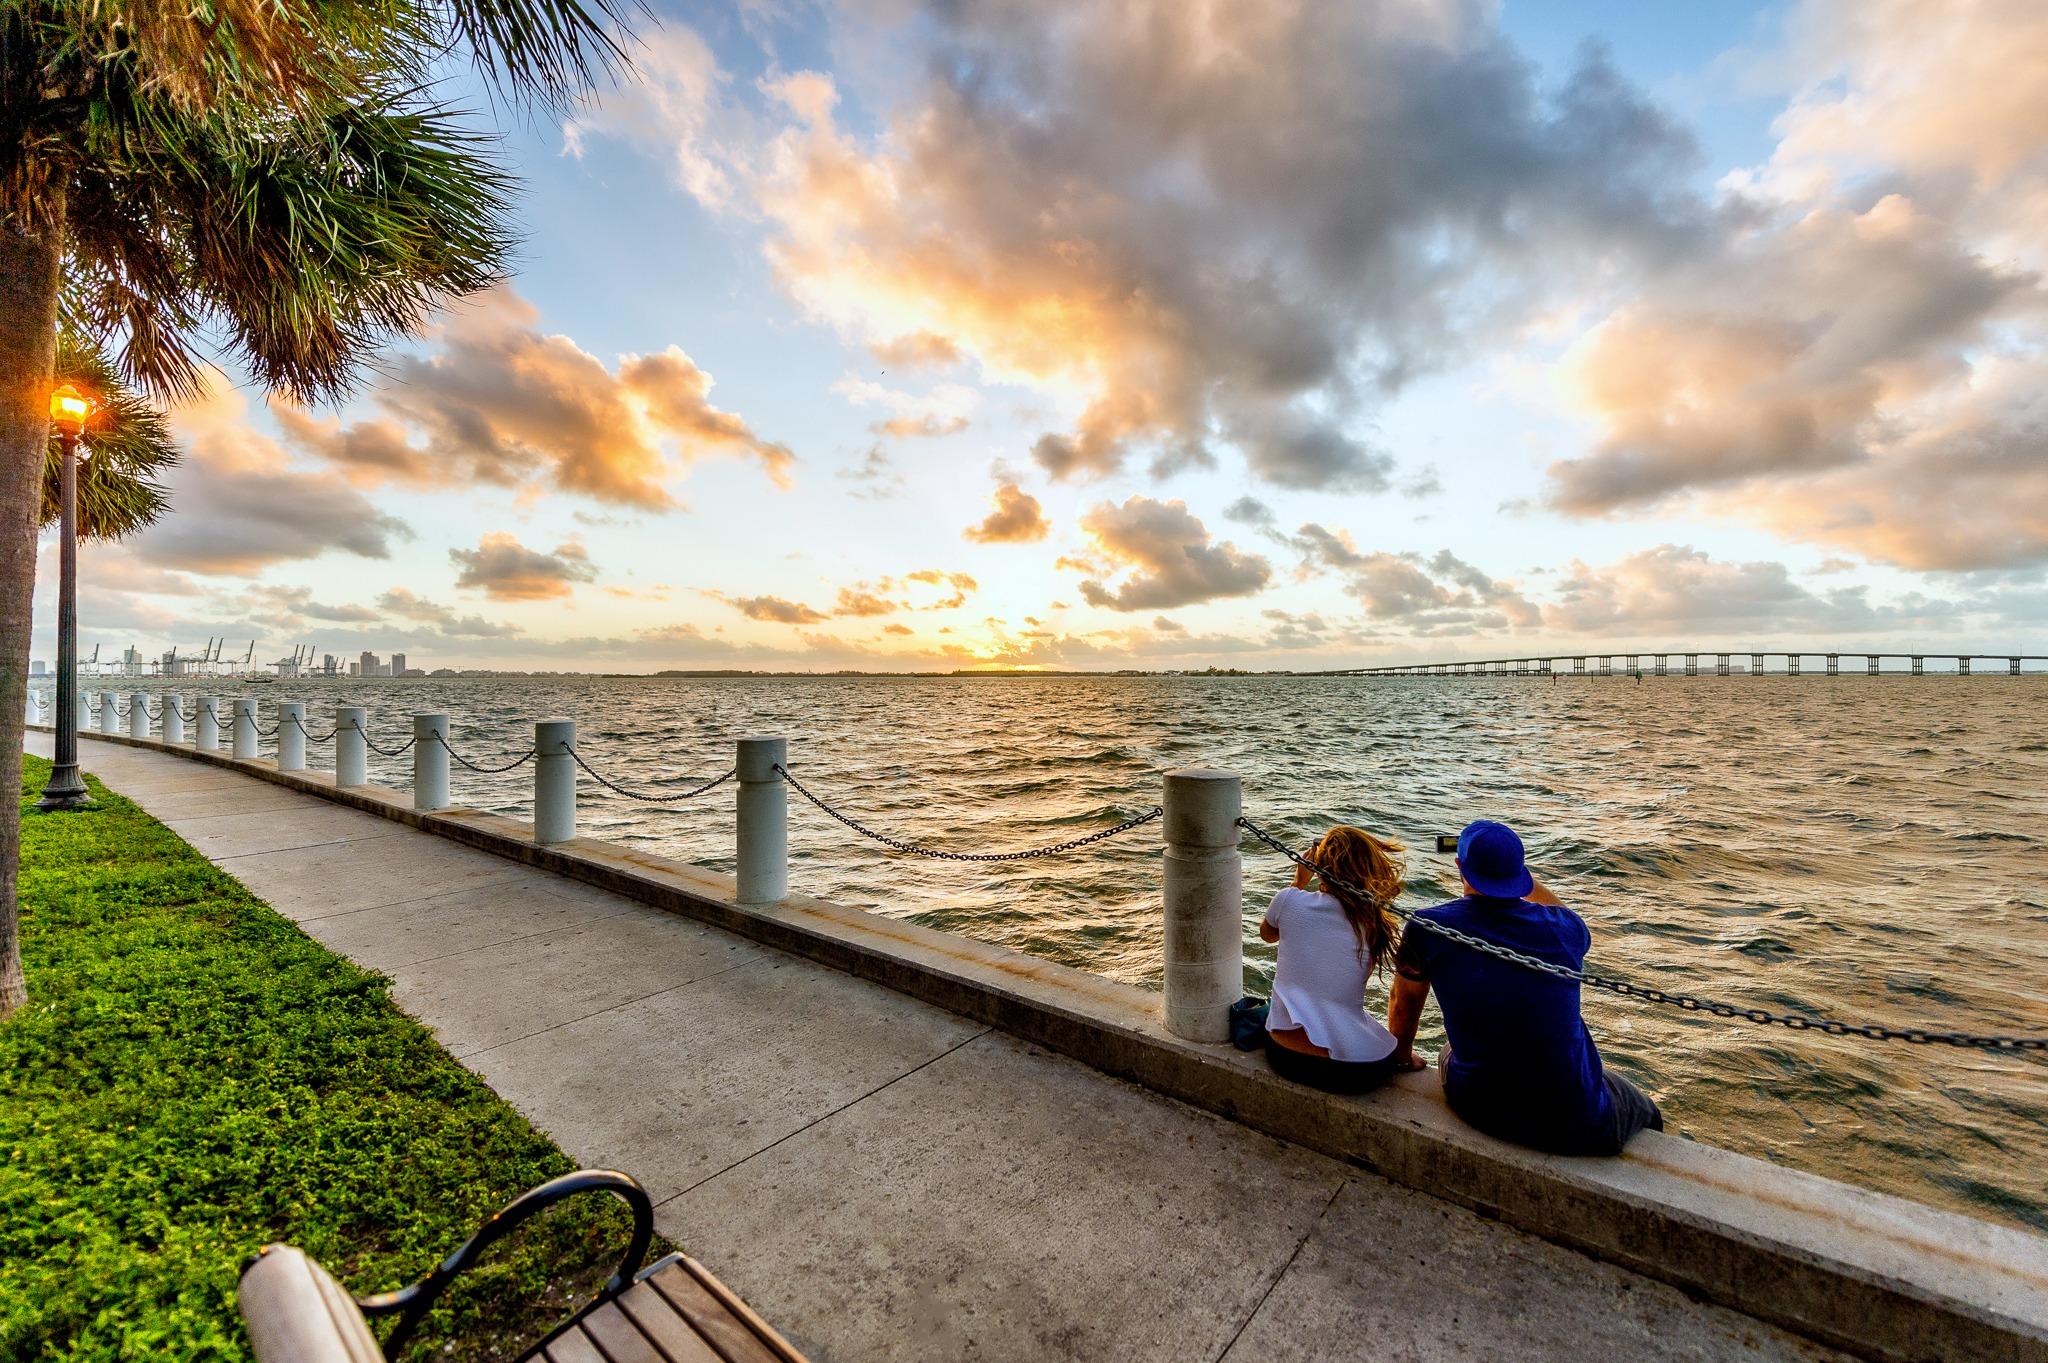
[1871,849]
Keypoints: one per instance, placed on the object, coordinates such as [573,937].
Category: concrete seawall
[1878,1275]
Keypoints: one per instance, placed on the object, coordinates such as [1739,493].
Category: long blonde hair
[1357,858]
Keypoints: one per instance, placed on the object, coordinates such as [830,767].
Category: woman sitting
[1331,940]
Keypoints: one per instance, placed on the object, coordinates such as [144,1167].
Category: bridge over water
[1687,663]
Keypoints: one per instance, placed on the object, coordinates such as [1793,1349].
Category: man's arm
[1539,893]
[1404,1014]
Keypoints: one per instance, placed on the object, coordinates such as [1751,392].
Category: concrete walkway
[886,1180]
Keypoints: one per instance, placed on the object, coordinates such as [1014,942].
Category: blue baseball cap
[1490,857]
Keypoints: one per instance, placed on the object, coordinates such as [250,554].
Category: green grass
[194,1078]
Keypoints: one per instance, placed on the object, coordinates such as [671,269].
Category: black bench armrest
[412,1302]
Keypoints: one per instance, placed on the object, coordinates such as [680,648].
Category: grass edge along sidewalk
[195,1077]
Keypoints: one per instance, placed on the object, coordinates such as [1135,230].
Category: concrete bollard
[429,762]
[206,724]
[554,781]
[138,715]
[763,826]
[110,718]
[291,736]
[245,729]
[351,751]
[1204,881]
[84,711]
[32,714]
[174,719]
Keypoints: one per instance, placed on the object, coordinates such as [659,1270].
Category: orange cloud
[1017,519]
[500,402]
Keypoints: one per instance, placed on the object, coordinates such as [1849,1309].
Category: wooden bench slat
[661,1322]
[709,1315]
[619,1338]
[573,1346]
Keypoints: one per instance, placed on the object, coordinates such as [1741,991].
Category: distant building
[355,669]
[369,663]
[39,668]
[131,661]
[398,664]
[330,664]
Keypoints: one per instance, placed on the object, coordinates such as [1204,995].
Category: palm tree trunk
[29,274]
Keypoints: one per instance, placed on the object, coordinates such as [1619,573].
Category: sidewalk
[886,1180]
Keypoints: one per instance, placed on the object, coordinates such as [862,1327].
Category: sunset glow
[1165,335]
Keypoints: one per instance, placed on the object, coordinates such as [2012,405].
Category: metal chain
[615,787]
[299,723]
[155,713]
[487,771]
[262,732]
[939,855]
[398,751]
[1689,1002]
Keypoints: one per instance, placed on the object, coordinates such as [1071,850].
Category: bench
[671,1311]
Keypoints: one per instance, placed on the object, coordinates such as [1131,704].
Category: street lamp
[69,411]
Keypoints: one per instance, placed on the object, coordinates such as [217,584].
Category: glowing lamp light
[69,408]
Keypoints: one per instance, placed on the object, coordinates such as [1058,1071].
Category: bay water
[1869,849]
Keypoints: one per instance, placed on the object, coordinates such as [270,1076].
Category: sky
[930,334]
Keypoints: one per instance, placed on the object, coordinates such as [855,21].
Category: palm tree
[118,491]
[277,174]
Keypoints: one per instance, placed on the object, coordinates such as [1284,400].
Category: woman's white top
[1319,985]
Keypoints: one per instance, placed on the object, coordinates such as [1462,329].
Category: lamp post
[69,409]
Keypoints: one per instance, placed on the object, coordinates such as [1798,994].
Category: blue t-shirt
[1523,1067]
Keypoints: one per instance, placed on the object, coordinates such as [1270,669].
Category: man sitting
[1520,1064]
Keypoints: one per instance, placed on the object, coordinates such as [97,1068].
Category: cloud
[506,570]
[919,350]
[1855,363]
[1168,554]
[875,478]
[238,506]
[1017,519]
[1215,226]
[677,397]
[403,603]
[499,402]
[671,106]
[1683,592]
[1789,354]
[774,609]
[858,602]
[1442,594]
[897,629]
[953,588]
[292,607]
[947,409]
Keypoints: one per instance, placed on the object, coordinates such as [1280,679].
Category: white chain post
[351,752]
[84,710]
[33,713]
[110,718]
[138,714]
[207,739]
[174,719]
[245,735]
[291,736]
[429,762]
[1204,893]
[554,781]
[763,827]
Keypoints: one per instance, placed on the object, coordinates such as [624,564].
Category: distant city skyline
[1165,336]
